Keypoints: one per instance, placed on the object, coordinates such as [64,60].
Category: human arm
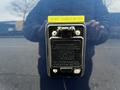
[33,26]
[95,34]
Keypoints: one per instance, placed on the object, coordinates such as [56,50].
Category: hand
[94,29]
[95,24]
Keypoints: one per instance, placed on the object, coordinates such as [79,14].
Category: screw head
[55,70]
[54,33]
[77,32]
[77,71]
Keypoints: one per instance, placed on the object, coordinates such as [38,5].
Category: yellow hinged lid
[66,19]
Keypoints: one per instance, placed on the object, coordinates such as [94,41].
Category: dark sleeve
[34,21]
[102,15]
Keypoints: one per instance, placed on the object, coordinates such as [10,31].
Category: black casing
[65,52]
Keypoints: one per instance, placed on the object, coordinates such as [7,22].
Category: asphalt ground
[18,65]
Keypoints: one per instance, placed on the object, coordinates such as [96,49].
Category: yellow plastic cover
[66,19]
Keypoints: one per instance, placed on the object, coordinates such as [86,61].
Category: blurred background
[18,56]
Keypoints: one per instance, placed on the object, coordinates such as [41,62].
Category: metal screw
[77,32]
[77,71]
[55,70]
[54,33]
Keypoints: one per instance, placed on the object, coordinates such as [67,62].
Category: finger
[100,27]
[95,24]
[97,27]
[90,22]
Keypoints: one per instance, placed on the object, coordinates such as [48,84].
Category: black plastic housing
[65,49]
